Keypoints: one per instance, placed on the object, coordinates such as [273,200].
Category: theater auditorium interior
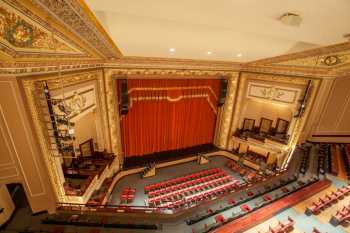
[194,116]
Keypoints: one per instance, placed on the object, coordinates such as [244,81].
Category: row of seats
[195,199]
[186,184]
[243,199]
[127,196]
[322,203]
[323,154]
[210,188]
[206,228]
[334,157]
[179,180]
[305,160]
[282,227]
[341,215]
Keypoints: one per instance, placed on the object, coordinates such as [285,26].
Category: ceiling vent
[291,19]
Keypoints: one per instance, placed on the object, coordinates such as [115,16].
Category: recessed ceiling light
[209,52]
[172,50]
[239,55]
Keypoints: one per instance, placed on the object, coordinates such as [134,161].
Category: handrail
[144,209]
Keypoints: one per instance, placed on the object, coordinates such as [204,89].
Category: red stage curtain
[169,114]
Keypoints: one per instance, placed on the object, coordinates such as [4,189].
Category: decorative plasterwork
[75,15]
[33,90]
[329,58]
[24,35]
[273,93]
[111,75]
[245,77]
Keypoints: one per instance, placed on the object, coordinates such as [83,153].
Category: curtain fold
[169,114]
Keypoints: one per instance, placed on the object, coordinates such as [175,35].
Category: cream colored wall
[6,203]
[256,110]
[21,160]
[333,121]
[85,128]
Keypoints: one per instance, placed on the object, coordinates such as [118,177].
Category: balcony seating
[266,199]
[346,158]
[84,170]
[282,227]
[219,219]
[329,199]
[98,196]
[341,215]
[334,156]
[305,161]
[323,155]
[190,189]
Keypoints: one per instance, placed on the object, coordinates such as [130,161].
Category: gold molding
[33,90]
[111,75]
[226,113]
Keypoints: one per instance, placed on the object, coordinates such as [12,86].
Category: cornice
[76,16]
[172,63]
[308,53]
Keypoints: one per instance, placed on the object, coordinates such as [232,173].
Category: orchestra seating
[282,227]
[248,175]
[328,200]
[341,216]
[191,189]
[94,221]
[346,157]
[127,196]
[206,228]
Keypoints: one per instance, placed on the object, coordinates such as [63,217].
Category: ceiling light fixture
[209,52]
[172,50]
[291,19]
[239,55]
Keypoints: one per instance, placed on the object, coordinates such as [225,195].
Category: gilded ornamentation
[76,17]
[223,129]
[20,33]
[324,61]
[33,90]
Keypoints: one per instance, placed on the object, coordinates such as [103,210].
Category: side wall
[21,159]
[332,123]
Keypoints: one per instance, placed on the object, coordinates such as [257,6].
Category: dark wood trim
[278,122]
[91,144]
[261,120]
[248,119]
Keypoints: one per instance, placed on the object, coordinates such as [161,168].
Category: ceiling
[225,28]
